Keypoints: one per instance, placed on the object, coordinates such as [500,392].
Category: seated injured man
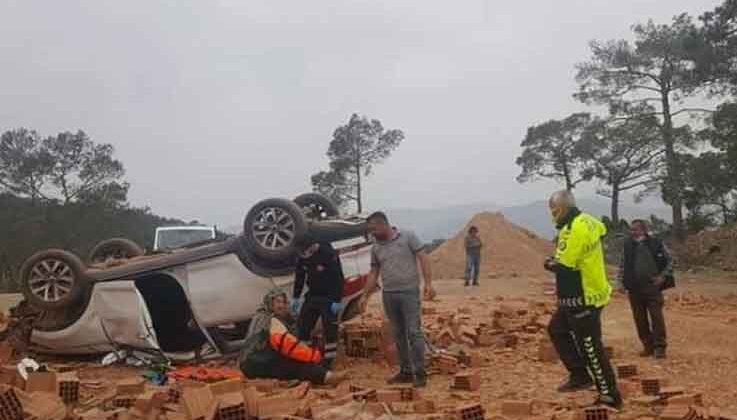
[272,349]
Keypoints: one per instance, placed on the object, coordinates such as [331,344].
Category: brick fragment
[275,406]
[646,401]
[10,406]
[43,406]
[130,386]
[227,386]
[687,399]
[677,413]
[388,396]
[517,408]
[199,403]
[626,371]
[470,412]
[671,391]
[466,381]
[546,352]
[402,408]
[42,382]
[68,384]
[471,359]
[424,406]
[407,392]
[232,406]
[596,413]
[651,386]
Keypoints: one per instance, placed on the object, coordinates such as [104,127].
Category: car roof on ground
[185,227]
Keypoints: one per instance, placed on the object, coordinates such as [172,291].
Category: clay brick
[388,395]
[10,406]
[275,406]
[470,412]
[626,371]
[429,311]
[546,353]
[42,382]
[6,352]
[596,413]
[227,386]
[400,408]
[651,386]
[9,376]
[517,408]
[199,403]
[143,402]
[686,399]
[43,406]
[68,385]
[424,406]
[646,401]
[124,401]
[471,360]
[671,391]
[466,381]
[130,386]
[232,406]
[407,392]
[628,389]
[677,413]
[447,365]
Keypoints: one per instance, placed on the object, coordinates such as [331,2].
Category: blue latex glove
[294,305]
[336,307]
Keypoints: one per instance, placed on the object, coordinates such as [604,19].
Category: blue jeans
[473,266]
[402,308]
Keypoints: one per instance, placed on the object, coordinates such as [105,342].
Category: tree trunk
[615,206]
[359,200]
[567,176]
[673,177]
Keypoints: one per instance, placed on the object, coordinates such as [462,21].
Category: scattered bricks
[174,394]
[596,413]
[448,365]
[401,408]
[471,360]
[424,406]
[517,408]
[42,382]
[275,406]
[466,381]
[678,413]
[470,412]
[628,389]
[626,371]
[10,406]
[232,406]
[199,403]
[143,402]
[69,388]
[686,399]
[650,386]
[43,406]
[407,392]
[130,386]
[124,401]
[227,386]
[388,396]
[646,401]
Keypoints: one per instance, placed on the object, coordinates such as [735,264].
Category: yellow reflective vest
[581,277]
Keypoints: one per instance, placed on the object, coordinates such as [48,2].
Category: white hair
[563,198]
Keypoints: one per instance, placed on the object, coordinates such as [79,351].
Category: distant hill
[444,222]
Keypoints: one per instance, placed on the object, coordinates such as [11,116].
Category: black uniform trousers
[315,308]
[647,310]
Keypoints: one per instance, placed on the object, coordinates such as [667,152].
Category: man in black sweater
[319,266]
[646,269]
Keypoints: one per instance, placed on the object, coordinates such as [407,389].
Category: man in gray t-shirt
[395,257]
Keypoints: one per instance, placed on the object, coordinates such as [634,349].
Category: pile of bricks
[466,381]
[362,341]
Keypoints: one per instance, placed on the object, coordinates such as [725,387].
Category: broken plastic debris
[25,365]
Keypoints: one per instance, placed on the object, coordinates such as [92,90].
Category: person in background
[319,265]
[473,245]
[395,257]
[583,290]
[272,350]
[646,268]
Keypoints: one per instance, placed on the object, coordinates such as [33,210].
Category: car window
[181,237]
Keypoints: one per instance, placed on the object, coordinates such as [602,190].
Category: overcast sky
[213,105]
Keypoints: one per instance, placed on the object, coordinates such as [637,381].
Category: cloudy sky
[213,105]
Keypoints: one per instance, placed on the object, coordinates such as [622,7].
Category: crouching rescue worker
[583,290]
[272,350]
[319,265]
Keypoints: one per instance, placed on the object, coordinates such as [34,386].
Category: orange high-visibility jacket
[288,345]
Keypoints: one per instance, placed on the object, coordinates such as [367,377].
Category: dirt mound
[711,248]
[508,250]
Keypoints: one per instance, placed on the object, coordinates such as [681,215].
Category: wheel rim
[274,228]
[51,280]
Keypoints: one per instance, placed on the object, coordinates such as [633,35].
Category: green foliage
[355,149]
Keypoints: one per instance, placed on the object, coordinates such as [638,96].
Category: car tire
[53,279]
[316,206]
[120,248]
[271,229]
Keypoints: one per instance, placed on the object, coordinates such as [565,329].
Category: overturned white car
[184,300]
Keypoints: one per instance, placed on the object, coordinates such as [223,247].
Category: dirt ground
[702,356]
[701,316]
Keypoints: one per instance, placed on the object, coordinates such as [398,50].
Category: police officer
[319,266]
[583,290]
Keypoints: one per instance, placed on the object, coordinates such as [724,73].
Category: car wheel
[316,206]
[53,279]
[272,227]
[118,248]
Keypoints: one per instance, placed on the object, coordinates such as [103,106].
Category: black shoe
[576,384]
[611,402]
[660,353]
[647,352]
[475,283]
[401,378]
[420,381]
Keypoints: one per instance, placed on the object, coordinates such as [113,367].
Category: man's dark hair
[642,223]
[378,216]
[473,229]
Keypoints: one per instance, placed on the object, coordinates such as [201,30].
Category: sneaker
[647,352]
[576,384]
[420,381]
[401,378]
[611,402]
[660,353]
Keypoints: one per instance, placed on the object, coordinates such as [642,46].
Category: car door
[123,314]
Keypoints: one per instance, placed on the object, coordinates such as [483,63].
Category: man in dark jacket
[319,266]
[646,269]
